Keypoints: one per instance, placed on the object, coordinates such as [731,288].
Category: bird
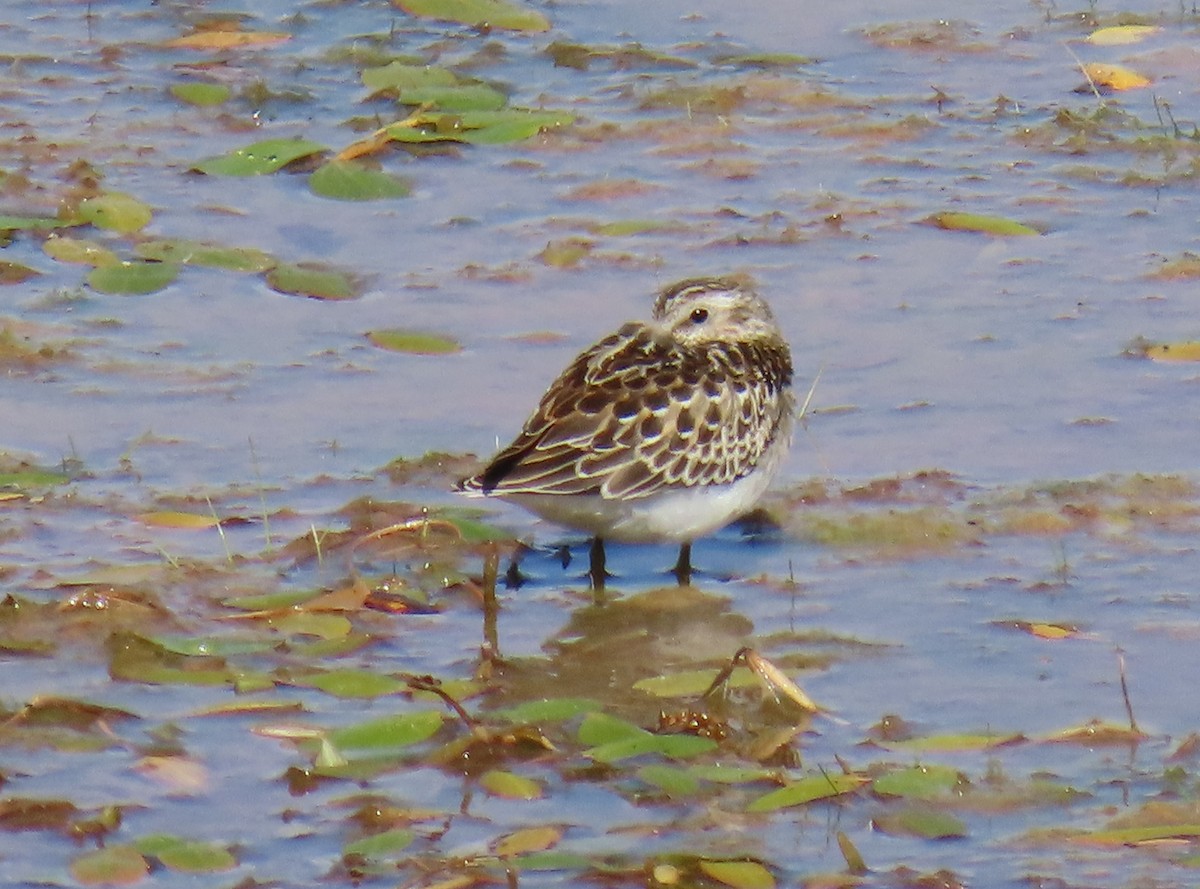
[662,432]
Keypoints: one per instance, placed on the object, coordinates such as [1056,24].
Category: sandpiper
[662,431]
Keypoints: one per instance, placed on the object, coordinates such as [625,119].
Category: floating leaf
[500,14]
[259,158]
[671,746]
[1135,836]
[1186,350]
[9,222]
[529,839]
[79,251]
[172,519]
[400,77]
[188,856]
[509,124]
[954,742]
[353,683]
[235,259]
[1121,35]
[1114,77]
[381,845]
[392,731]
[15,272]
[1043,630]
[919,782]
[626,227]
[548,710]
[209,646]
[510,786]
[806,790]
[216,39]
[457,97]
[691,682]
[413,341]
[738,874]
[720,774]
[115,211]
[133,277]
[348,181]
[323,626]
[110,866]
[202,94]
[671,780]
[33,478]
[313,282]
[921,822]
[601,728]
[978,222]
[1093,733]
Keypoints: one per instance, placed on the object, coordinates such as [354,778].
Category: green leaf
[270,601]
[719,774]
[348,181]
[671,746]
[188,856]
[203,94]
[110,866]
[510,786]
[234,259]
[509,124]
[133,277]
[78,251]
[548,710]
[392,731]
[921,822]
[10,222]
[671,780]
[625,227]
[315,283]
[309,623]
[497,14]
[978,222]
[600,728]
[381,845]
[691,683]
[400,77]
[353,683]
[919,782]
[414,342]
[806,790]
[115,211]
[259,158]
[738,874]
[208,646]
[26,479]
[457,97]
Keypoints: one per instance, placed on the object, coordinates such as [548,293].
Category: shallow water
[999,360]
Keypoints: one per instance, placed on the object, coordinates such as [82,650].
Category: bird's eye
[699,316]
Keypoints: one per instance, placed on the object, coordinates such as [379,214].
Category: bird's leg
[683,567]
[596,572]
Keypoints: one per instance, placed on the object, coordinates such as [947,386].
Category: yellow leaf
[227,39]
[10,495]
[1183,351]
[1114,77]
[1048,631]
[738,874]
[170,519]
[530,839]
[1120,35]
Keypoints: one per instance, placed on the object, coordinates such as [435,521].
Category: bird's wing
[634,415]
